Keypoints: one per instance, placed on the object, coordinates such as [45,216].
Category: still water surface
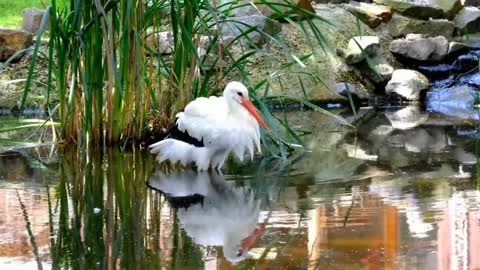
[400,193]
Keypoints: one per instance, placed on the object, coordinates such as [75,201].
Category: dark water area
[399,192]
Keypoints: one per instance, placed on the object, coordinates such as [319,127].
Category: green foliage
[102,210]
[114,85]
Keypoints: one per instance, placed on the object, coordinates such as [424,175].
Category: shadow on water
[399,193]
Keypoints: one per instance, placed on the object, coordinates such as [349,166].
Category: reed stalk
[114,87]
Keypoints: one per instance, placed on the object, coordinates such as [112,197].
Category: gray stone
[420,140]
[32,19]
[360,47]
[474,3]
[242,24]
[421,49]
[454,47]
[407,83]
[163,41]
[468,19]
[11,41]
[425,9]
[400,26]
[457,101]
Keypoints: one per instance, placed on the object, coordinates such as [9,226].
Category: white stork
[208,129]
[226,216]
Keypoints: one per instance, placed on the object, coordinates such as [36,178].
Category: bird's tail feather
[178,151]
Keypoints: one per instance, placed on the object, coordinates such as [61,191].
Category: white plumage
[226,217]
[218,126]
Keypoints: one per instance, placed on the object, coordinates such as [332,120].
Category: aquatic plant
[115,87]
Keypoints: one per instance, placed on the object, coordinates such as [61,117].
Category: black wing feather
[174,133]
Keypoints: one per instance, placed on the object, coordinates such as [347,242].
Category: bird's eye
[240,94]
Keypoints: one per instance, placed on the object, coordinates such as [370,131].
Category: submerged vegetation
[115,86]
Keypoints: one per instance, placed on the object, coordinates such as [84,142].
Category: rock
[457,47]
[248,7]
[467,62]
[400,26]
[371,14]
[376,70]
[331,1]
[323,66]
[421,140]
[421,49]
[358,94]
[472,79]
[163,41]
[468,19]
[435,71]
[457,101]
[425,9]
[242,24]
[32,19]
[12,41]
[474,3]
[407,83]
[359,47]
[407,118]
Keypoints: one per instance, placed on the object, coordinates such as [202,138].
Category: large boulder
[371,14]
[468,19]
[407,83]
[11,41]
[418,48]
[425,9]
[360,47]
[321,70]
[400,26]
[262,24]
[32,19]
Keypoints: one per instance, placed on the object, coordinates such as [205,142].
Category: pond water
[398,193]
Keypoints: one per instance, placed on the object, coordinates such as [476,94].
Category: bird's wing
[204,118]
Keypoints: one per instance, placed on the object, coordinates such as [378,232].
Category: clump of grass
[114,88]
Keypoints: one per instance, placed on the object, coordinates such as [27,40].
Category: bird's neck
[234,107]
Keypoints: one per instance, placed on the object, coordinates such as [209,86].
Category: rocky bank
[399,48]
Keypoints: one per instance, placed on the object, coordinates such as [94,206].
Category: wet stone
[436,71]
[457,101]
[467,62]
[472,79]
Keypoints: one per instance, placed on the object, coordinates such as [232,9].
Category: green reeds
[115,87]
[102,214]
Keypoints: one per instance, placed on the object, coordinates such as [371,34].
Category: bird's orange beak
[251,109]
[248,242]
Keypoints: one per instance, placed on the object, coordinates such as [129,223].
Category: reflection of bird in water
[208,129]
[212,211]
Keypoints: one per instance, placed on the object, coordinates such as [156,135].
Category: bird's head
[236,93]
